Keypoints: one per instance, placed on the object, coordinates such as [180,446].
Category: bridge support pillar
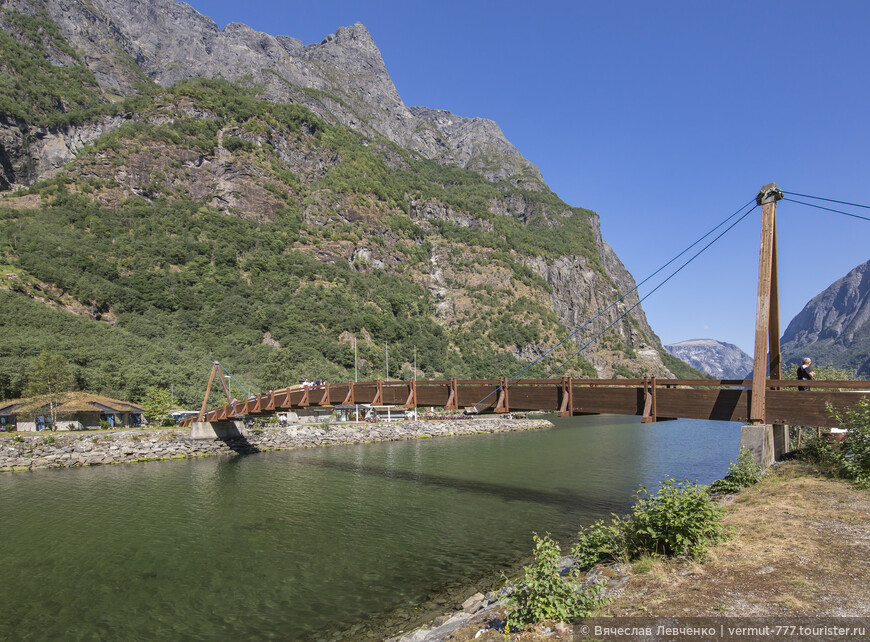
[766,442]
[217,429]
[781,442]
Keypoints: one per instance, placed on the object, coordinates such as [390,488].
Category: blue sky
[663,117]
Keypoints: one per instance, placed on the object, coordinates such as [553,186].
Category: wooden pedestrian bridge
[652,399]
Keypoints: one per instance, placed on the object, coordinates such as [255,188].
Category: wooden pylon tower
[215,368]
[767,310]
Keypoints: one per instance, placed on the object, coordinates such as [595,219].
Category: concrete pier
[766,442]
[217,429]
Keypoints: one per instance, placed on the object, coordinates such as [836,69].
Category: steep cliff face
[715,358]
[367,200]
[342,78]
[834,327]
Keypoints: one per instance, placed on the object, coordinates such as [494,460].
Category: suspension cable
[247,394]
[672,275]
[829,209]
[830,200]
[576,330]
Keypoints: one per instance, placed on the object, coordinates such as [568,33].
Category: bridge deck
[652,399]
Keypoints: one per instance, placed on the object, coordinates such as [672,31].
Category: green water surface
[333,543]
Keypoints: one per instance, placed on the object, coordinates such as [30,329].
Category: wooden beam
[412,395]
[207,390]
[567,407]
[324,399]
[649,402]
[348,400]
[503,404]
[270,402]
[773,331]
[452,398]
[767,198]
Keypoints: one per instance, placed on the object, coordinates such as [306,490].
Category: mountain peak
[342,78]
[834,327]
[712,357]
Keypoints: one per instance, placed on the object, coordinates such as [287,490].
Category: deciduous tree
[48,380]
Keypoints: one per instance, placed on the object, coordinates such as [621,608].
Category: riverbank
[21,452]
[799,547]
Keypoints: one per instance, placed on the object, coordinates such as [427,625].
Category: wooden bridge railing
[650,398]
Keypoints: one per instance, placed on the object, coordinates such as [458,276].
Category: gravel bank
[33,451]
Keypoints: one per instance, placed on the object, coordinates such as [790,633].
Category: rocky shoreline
[20,452]
[482,617]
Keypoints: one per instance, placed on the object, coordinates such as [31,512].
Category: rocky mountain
[248,197]
[715,358]
[342,79]
[834,327]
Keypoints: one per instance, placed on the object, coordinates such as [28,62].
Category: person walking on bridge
[804,372]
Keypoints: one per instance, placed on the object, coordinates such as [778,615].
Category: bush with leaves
[547,594]
[600,541]
[680,519]
[856,456]
[850,458]
[746,472]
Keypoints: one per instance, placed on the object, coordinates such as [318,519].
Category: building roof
[70,402]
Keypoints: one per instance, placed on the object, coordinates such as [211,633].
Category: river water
[333,543]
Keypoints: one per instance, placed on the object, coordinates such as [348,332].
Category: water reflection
[561,498]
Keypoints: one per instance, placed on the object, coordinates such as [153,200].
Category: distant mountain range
[715,358]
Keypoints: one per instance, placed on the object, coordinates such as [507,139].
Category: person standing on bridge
[804,372]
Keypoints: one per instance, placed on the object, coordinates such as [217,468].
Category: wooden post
[649,402]
[324,400]
[349,399]
[453,398]
[767,299]
[567,408]
[379,395]
[214,367]
[775,351]
[411,401]
[503,403]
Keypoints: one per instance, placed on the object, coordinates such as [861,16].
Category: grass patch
[644,564]
[798,543]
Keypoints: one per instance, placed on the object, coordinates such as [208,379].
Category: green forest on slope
[188,284]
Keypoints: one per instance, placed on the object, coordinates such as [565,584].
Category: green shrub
[743,474]
[850,458]
[234,144]
[546,594]
[600,541]
[680,519]
[856,448]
